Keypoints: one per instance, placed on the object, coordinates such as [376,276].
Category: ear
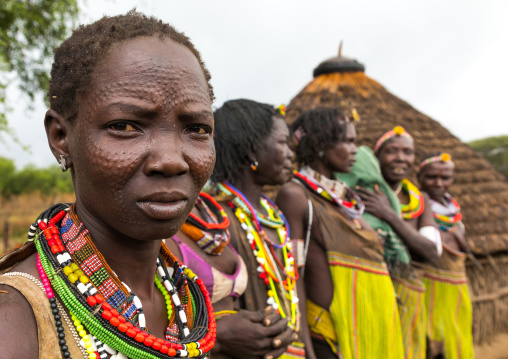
[57,130]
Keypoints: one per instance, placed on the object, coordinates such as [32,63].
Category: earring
[62,163]
[321,154]
[254,165]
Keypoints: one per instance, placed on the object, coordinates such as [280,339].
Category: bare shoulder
[427,218]
[291,196]
[18,327]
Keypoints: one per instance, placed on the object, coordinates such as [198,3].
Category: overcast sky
[446,58]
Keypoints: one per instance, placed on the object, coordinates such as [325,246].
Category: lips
[163,206]
[399,170]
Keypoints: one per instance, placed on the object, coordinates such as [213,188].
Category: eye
[122,126]
[200,129]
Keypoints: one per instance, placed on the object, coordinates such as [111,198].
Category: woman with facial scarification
[130,115]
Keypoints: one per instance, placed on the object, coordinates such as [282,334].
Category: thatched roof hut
[481,191]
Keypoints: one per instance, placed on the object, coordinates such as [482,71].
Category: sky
[448,59]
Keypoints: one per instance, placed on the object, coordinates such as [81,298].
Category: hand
[253,335]
[376,203]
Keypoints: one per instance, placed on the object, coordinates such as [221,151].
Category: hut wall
[489,294]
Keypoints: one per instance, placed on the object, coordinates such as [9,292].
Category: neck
[132,260]
[394,185]
[250,189]
[321,168]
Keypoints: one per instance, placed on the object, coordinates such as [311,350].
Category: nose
[354,149]
[166,156]
[439,182]
[289,152]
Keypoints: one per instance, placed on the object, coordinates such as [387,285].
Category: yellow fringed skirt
[413,318]
[449,312]
[363,317]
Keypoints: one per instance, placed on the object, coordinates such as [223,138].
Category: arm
[377,204]
[18,327]
[292,201]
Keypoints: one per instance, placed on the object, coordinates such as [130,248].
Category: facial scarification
[161,96]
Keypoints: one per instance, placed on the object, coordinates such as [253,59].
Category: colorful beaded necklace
[276,220]
[60,242]
[416,204]
[351,204]
[446,214]
[209,234]
[277,276]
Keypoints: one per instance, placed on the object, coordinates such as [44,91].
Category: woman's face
[274,156]
[141,146]
[396,158]
[342,156]
[435,179]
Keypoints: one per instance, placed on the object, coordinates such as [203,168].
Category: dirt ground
[497,349]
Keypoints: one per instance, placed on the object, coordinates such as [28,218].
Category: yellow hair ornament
[282,110]
[443,157]
[397,131]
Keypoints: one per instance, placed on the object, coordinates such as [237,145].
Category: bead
[156,345]
[107,315]
[122,327]
[91,301]
[131,333]
[66,354]
[114,321]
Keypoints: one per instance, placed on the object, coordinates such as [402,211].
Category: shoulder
[291,194]
[17,325]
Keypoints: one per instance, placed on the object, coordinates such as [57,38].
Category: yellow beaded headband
[397,131]
[443,157]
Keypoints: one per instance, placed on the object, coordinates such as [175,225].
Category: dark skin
[140,148]
[435,178]
[396,158]
[261,334]
[292,200]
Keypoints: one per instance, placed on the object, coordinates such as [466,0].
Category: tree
[29,30]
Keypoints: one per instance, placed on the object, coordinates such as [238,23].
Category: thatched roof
[480,189]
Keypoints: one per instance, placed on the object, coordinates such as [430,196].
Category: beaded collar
[348,201]
[446,214]
[209,234]
[106,308]
[275,219]
[416,205]
[279,277]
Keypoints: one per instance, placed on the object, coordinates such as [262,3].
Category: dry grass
[20,212]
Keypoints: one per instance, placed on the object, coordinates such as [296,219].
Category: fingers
[281,342]
[376,189]
[276,328]
[271,317]
[363,193]
[265,316]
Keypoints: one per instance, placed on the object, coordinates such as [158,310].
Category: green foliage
[495,150]
[29,30]
[48,181]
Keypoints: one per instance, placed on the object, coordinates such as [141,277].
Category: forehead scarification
[159,85]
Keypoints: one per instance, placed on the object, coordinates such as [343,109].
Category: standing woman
[414,225]
[447,296]
[252,151]
[130,115]
[351,309]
